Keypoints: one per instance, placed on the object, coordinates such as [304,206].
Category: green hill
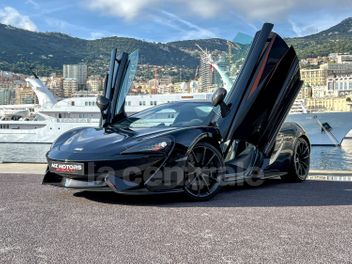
[335,39]
[47,52]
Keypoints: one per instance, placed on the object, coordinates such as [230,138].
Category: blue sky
[168,20]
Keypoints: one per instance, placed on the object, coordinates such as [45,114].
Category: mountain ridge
[48,51]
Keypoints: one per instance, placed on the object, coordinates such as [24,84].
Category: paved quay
[309,222]
[39,168]
[22,168]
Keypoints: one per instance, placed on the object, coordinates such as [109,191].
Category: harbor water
[322,158]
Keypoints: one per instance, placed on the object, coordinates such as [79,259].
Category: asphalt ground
[309,222]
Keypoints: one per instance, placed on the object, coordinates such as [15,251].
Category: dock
[39,168]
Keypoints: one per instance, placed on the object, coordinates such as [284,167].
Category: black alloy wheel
[300,162]
[204,172]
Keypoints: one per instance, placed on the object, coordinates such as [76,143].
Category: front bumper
[109,184]
[142,176]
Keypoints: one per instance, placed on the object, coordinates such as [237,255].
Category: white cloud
[97,35]
[205,8]
[304,17]
[188,29]
[102,34]
[315,25]
[121,8]
[250,9]
[59,25]
[271,10]
[10,16]
[32,3]
[302,30]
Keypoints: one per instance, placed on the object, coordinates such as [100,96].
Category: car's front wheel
[300,161]
[204,172]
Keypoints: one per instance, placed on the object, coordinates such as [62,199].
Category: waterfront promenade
[310,222]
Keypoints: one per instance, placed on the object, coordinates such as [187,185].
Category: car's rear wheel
[299,166]
[204,172]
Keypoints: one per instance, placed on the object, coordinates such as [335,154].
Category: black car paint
[99,153]
[250,119]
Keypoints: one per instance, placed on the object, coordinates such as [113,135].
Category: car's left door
[119,81]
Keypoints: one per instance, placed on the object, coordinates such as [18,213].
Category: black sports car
[191,147]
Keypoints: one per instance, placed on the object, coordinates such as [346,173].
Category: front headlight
[162,145]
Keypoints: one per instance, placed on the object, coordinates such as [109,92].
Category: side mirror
[103,103]
[218,99]
[218,96]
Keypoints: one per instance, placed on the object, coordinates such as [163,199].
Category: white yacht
[323,128]
[43,123]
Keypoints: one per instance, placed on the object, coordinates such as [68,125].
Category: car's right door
[263,93]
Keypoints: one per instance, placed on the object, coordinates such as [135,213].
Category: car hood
[100,143]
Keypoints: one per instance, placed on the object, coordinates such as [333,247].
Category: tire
[300,161]
[204,172]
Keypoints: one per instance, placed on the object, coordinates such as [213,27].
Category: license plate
[67,167]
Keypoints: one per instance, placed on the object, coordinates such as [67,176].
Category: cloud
[10,16]
[316,24]
[302,30]
[102,34]
[272,10]
[188,29]
[132,8]
[33,3]
[97,35]
[254,10]
[126,9]
[60,25]
[205,8]
[57,9]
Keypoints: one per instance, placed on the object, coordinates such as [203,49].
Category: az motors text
[66,166]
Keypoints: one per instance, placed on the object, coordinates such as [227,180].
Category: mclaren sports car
[194,147]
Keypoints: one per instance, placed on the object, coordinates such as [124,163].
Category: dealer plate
[67,167]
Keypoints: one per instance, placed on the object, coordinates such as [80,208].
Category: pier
[307,222]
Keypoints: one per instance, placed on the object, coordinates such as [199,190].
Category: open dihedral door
[263,93]
[118,82]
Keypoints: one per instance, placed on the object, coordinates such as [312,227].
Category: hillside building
[7,96]
[205,75]
[55,84]
[95,84]
[78,72]
[315,77]
[70,87]
[25,95]
[339,85]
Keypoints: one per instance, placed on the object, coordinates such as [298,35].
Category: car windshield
[169,115]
